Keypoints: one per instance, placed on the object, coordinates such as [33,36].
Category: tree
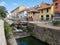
[3,12]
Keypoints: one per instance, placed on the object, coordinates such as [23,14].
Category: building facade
[23,15]
[36,16]
[16,11]
[46,12]
[15,14]
[43,12]
[56,4]
[33,14]
[30,14]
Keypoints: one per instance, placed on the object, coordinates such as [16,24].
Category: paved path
[2,35]
[45,25]
[49,26]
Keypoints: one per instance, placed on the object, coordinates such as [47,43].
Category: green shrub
[7,29]
[56,23]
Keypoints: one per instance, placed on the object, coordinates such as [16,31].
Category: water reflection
[22,43]
[30,41]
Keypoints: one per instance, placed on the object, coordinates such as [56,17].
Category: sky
[12,4]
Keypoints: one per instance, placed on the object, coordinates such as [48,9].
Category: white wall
[2,34]
[22,15]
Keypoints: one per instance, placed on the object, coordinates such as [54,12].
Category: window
[41,17]
[57,14]
[41,11]
[47,17]
[47,10]
[31,16]
[56,5]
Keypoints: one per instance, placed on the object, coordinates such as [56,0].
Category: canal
[30,41]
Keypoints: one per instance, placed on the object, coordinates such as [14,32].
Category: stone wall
[12,40]
[49,35]
[3,40]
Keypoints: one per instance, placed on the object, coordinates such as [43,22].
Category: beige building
[30,14]
[15,12]
[33,14]
[46,12]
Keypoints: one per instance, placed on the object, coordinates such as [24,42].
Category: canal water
[30,41]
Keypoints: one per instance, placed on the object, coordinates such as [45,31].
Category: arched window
[47,17]
[42,18]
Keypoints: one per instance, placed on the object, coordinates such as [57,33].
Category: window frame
[56,5]
[41,11]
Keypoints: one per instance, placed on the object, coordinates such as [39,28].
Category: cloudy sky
[12,4]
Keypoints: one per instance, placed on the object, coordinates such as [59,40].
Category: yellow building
[46,12]
[30,14]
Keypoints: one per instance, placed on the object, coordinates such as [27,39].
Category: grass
[31,41]
[7,29]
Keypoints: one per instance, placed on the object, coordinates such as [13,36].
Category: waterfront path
[49,26]
[45,25]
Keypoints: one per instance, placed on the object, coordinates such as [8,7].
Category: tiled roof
[33,10]
[44,5]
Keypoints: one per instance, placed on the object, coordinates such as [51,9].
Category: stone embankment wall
[3,40]
[2,34]
[47,34]
[12,40]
